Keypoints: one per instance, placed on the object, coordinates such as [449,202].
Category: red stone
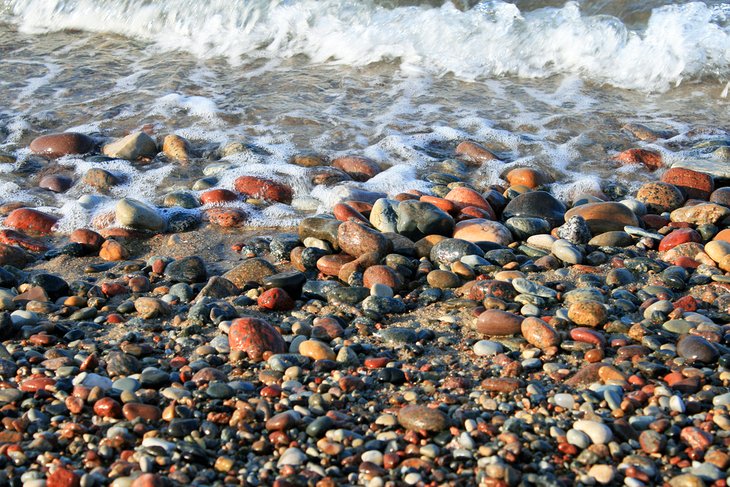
[473,212]
[382,274]
[695,184]
[86,237]
[217,196]
[275,299]
[654,222]
[679,236]
[464,197]
[361,206]
[331,265]
[31,221]
[696,438]
[255,337]
[114,318]
[226,217]
[587,335]
[686,262]
[442,203]
[11,237]
[148,480]
[106,407]
[266,189]
[687,303]
[652,160]
[113,289]
[376,362]
[36,384]
[345,212]
[358,168]
[61,477]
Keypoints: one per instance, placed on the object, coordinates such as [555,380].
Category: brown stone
[604,217]
[176,148]
[539,334]
[331,265]
[527,176]
[474,152]
[56,183]
[652,160]
[357,239]
[358,168]
[58,145]
[422,418]
[501,384]
[262,188]
[250,270]
[134,410]
[111,250]
[494,322]
[106,407]
[660,197]
[87,238]
[587,313]
[464,197]
[226,217]
[480,230]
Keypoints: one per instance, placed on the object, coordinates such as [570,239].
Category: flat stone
[422,418]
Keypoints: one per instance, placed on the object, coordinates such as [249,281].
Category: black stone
[537,204]
[291,282]
[53,285]
[188,269]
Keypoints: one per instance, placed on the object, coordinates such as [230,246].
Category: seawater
[542,83]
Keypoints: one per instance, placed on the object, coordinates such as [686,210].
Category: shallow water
[541,83]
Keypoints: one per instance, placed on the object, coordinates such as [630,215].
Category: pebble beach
[465,336]
[380,243]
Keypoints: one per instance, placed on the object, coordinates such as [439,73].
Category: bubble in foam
[198,106]
[567,191]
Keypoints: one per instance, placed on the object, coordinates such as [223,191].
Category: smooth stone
[616,238]
[479,230]
[599,433]
[417,219]
[660,197]
[487,348]
[697,349]
[494,322]
[525,227]
[536,204]
[567,252]
[526,286]
[61,144]
[132,147]
[422,418]
[255,270]
[384,215]
[135,214]
[604,217]
[452,250]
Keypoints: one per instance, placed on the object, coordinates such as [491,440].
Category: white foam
[494,38]
[198,106]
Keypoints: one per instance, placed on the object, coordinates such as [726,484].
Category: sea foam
[678,43]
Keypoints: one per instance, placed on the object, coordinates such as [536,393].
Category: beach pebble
[599,433]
